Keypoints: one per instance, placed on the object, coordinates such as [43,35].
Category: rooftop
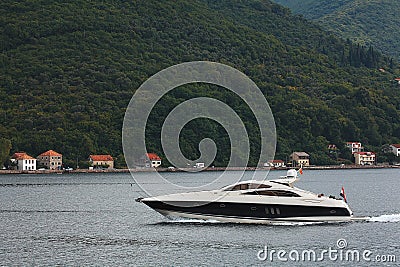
[50,153]
[152,156]
[276,161]
[101,158]
[21,156]
[365,153]
[301,154]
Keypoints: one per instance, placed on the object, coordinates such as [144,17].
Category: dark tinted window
[247,186]
[255,186]
[239,187]
[279,193]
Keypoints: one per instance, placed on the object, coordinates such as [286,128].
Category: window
[247,186]
[277,193]
[272,211]
[239,187]
[256,186]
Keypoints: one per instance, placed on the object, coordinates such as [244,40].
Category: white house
[151,160]
[275,163]
[199,165]
[23,161]
[395,149]
[354,147]
[365,158]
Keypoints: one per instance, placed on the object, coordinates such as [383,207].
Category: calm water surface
[92,219]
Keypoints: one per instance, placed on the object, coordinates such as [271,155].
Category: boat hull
[225,219]
[251,212]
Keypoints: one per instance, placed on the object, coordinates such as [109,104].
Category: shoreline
[332,167]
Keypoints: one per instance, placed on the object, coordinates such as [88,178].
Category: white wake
[385,218]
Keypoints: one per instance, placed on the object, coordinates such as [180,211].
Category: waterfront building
[276,163]
[395,149]
[151,160]
[365,158]
[300,158]
[101,161]
[23,161]
[51,160]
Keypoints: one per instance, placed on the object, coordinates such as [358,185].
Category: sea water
[93,219]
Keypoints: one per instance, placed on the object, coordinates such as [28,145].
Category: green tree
[5,147]
[66,79]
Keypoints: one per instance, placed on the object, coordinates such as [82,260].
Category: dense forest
[367,22]
[69,69]
[315,9]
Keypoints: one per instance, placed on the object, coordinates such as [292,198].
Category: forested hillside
[314,9]
[68,70]
[367,22]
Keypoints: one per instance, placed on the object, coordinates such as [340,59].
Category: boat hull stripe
[251,210]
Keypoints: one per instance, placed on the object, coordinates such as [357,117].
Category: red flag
[343,195]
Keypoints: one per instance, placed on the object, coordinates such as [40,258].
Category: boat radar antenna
[291,173]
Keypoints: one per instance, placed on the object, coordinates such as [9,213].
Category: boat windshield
[247,186]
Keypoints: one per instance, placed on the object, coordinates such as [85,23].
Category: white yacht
[266,202]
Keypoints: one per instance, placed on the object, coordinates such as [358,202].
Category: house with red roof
[151,160]
[395,149]
[365,158]
[354,147]
[101,161]
[50,159]
[23,161]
